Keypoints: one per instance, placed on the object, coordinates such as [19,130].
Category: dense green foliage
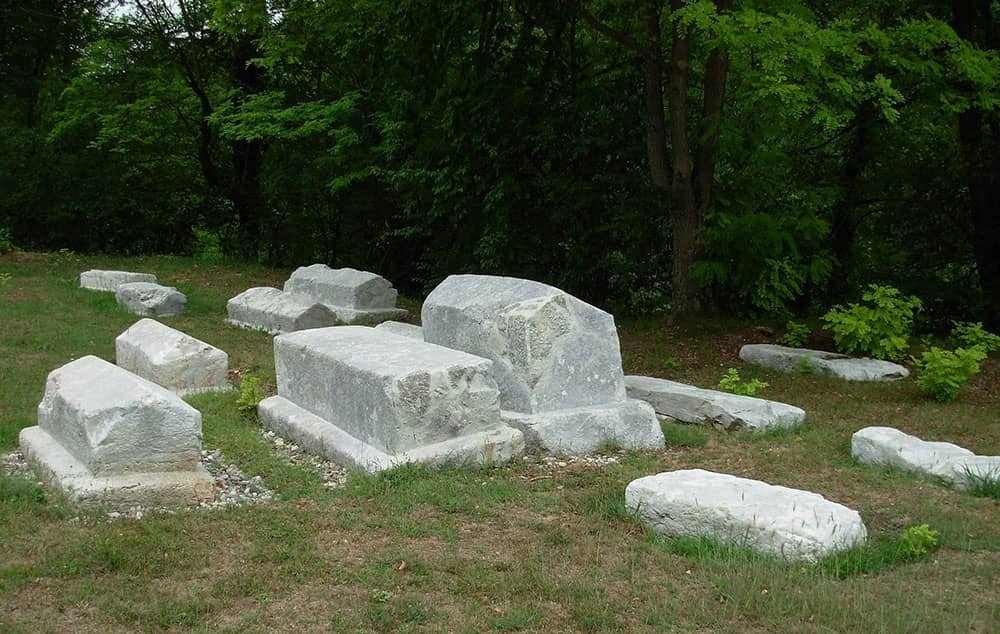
[849,143]
[941,374]
[879,328]
[796,334]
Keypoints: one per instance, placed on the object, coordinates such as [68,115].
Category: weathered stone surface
[787,359]
[106,435]
[890,447]
[401,328]
[774,520]
[171,358]
[357,395]
[357,297]
[151,300]
[728,412]
[550,351]
[630,424]
[98,280]
[274,311]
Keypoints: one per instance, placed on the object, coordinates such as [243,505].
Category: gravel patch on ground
[334,476]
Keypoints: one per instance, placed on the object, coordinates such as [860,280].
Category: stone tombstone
[358,297]
[275,311]
[98,280]
[774,520]
[724,411]
[785,359]
[105,435]
[556,360]
[401,328]
[151,300]
[888,447]
[171,358]
[372,399]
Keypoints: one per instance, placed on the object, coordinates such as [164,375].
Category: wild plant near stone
[943,373]
[796,334]
[973,335]
[731,382]
[880,328]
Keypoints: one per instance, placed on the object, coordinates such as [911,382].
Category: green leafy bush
[6,240]
[251,393]
[796,334]
[917,541]
[879,328]
[942,373]
[973,335]
[731,382]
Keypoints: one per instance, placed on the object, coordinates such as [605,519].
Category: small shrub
[941,374]
[973,335]
[796,335]
[879,329]
[918,541]
[251,394]
[670,364]
[6,241]
[731,382]
[5,278]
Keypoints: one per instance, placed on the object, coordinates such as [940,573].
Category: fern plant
[879,328]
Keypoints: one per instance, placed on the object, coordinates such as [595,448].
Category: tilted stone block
[775,520]
[361,395]
[171,358]
[358,297]
[106,435]
[98,280]
[890,447]
[786,359]
[401,328]
[274,311]
[728,412]
[151,300]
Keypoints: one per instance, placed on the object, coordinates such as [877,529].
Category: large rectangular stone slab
[274,311]
[785,359]
[890,447]
[151,300]
[171,358]
[728,412]
[630,424]
[774,520]
[357,297]
[99,280]
[393,393]
[114,422]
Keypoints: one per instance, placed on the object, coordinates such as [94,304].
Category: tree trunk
[247,156]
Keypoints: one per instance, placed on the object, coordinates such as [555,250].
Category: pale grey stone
[171,358]
[357,395]
[98,280]
[550,350]
[105,435]
[151,300]
[775,520]
[357,297]
[842,366]
[401,328]
[629,424]
[890,447]
[274,311]
[728,412]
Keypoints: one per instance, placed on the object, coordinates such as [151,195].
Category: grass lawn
[521,548]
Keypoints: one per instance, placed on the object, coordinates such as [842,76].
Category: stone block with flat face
[99,280]
[785,359]
[151,300]
[401,328]
[171,358]
[358,297]
[274,311]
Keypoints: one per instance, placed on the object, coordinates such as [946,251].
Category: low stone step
[787,359]
[100,280]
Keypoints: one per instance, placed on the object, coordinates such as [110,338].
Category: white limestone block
[728,412]
[172,359]
[774,520]
[357,297]
[274,311]
[98,280]
[890,447]
[151,300]
[401,328]
[629,424]
[358,394]
[787,359]
[107,436]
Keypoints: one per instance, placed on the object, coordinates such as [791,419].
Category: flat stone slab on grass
[890,447]
[728,412]
[106,436]
[403,329]
[630,424]
[357,297]
[151,300]
[274,311]
[98,280]
[787,359]
[774,520]
[172,359]
[372,399]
